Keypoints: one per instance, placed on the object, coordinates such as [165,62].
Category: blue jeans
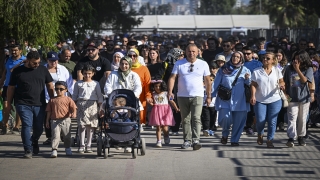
[267,113]
[227,117]
[31,117]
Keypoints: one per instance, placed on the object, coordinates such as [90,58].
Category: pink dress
[161,113]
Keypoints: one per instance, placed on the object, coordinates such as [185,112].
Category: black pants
[281,115]
[177,119]
[208,118]
[250,119]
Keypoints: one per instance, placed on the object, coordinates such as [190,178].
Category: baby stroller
[121,132]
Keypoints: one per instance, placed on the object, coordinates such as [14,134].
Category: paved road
[213,161]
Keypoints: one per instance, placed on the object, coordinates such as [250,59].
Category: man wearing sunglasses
[227,50]
[101,64]
[251,64]
[108,53]
[191,72]
[27,85]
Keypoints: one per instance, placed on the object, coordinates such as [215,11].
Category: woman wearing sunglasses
[232,110]
[145,79]
[265,97]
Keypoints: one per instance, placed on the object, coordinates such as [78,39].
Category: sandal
[260,139]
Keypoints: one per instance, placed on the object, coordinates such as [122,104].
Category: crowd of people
[200,83]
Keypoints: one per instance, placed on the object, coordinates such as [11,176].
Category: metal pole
[260,6]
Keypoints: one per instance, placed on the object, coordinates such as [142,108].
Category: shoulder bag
[225,93]
[285,101]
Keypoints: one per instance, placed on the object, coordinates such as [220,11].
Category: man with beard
[109,51]
[227,50]
[27,85]
[209,54]
[101,65]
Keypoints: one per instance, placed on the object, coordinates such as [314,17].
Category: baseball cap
[62,83]
[220,58]
[52,56]
[92,44]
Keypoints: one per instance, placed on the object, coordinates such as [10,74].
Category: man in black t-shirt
[213,49]
[27,85]
[108,54]
[101,64]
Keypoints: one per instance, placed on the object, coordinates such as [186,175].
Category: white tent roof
[200,22]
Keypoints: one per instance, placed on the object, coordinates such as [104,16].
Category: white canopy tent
[202,22]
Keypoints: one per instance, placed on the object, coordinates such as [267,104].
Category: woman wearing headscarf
[233,111]
[124,78]
[116,61]
[145,79]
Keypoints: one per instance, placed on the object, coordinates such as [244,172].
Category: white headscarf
[115,66]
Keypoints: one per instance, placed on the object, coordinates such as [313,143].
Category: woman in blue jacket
[232,111]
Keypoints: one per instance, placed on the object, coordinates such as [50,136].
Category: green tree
[285,13]
[216,7]
[165,9]
[255,6]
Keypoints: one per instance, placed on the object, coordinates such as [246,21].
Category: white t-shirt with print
[190,79]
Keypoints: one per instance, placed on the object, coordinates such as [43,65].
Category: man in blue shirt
[15,59]
[251,64]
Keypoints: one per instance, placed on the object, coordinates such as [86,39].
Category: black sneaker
[47,142]
[186,145]
[290,142]
[281,126]
[196,145]
[27,154]
[35,146]
[301,141]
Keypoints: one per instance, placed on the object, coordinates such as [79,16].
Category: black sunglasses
[191,68]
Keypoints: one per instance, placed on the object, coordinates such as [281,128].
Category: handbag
[247,92]
[285,102]
[225,93]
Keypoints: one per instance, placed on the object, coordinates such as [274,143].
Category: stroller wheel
[134,153]
[143,147]
[106,153]
[99,146]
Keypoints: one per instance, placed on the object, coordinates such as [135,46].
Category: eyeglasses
[246,53]
[266,58]
[226,45]
[91,50]
[132,55]
[191,68]
[59,89]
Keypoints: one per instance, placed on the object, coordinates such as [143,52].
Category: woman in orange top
[145,78]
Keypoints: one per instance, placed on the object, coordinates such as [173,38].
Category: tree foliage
[164,9]
[216,7]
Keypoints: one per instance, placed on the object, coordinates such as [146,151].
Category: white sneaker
[68,152]
[81,150]
[141,128]
[159,144]
[54,153]
[167,140]
[128,150]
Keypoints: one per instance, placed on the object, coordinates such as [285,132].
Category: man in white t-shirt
[191,72]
